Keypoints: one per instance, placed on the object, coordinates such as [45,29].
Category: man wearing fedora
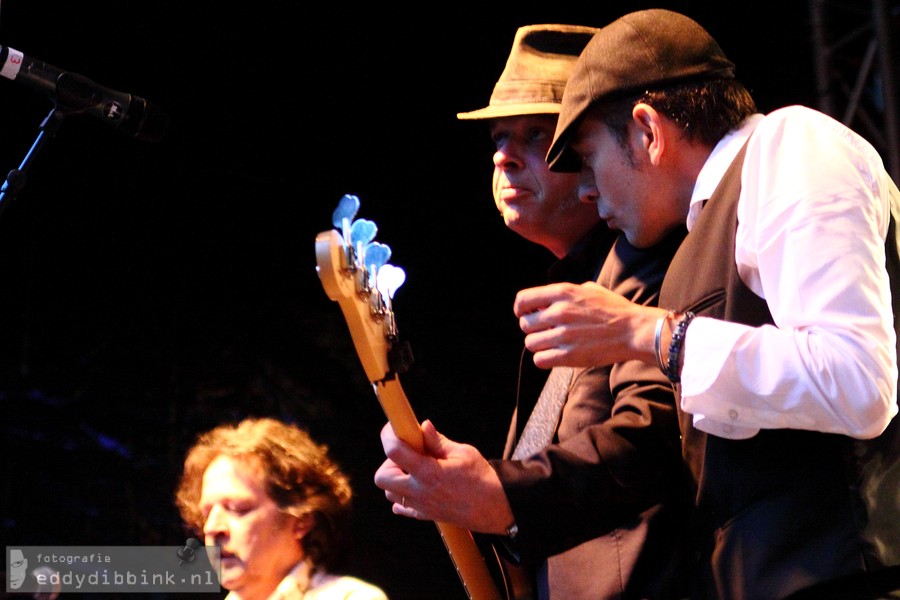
[590,497]
[777,317]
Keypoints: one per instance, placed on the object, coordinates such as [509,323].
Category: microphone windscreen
[144,121]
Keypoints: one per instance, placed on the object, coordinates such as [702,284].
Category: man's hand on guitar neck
[451,483]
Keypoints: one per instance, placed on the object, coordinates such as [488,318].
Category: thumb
[433,440]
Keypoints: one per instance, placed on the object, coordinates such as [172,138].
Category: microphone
[187,552]
[131,115]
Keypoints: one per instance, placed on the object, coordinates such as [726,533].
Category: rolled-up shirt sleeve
[812,220]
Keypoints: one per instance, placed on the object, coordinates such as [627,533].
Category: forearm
[741,379]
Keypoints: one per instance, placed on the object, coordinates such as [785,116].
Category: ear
[650,129]
[301,526]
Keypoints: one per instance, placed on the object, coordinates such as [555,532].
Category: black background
[151,291]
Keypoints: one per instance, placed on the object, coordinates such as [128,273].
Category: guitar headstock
[354,271]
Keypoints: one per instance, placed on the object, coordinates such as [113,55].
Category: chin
[230,573]
[523,231]
[230,581]
[640,242]
[510,217]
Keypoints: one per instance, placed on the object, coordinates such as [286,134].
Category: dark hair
[705,110]
[296,473]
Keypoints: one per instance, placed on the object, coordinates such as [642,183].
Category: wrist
[675,357]
[661,340]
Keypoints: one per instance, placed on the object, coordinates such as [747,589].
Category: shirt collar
[717,163]
[583,260]
[293,586]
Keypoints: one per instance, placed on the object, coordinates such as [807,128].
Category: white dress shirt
[812,219]
[302,584]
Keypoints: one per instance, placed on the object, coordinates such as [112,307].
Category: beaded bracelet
[657,341]
[676,346]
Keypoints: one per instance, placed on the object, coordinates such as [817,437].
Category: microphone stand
[15,179]
[74,95]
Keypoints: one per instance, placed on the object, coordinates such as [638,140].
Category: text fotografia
[70,559]
[185,568]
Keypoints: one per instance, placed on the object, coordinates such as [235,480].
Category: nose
[215,525]
[506,156]
[587,190]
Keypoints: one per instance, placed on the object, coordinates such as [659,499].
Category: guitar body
[353,282]
[516,581]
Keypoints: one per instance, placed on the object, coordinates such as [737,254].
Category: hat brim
[560,157]
[511,110]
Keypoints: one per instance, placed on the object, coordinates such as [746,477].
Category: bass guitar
[354,271]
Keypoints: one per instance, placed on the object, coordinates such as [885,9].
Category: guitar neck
[463,551]
[398,411]
[348,280]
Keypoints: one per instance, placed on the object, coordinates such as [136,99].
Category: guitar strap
[541,425]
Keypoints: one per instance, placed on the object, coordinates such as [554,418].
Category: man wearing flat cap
[590,497]
[776,321]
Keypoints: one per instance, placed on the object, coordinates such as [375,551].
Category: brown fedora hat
[541,60]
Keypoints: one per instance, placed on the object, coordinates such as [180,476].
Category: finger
[403,506]
[388,436]
[405,511]
[531,299]
[388,475]
[396,498]
[396,449]
[533,322]
[396,489]
[554,357]
[547,339]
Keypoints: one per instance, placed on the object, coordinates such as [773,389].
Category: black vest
[786,509]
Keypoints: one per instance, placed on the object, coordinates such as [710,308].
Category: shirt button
[733,414]
[727,428]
